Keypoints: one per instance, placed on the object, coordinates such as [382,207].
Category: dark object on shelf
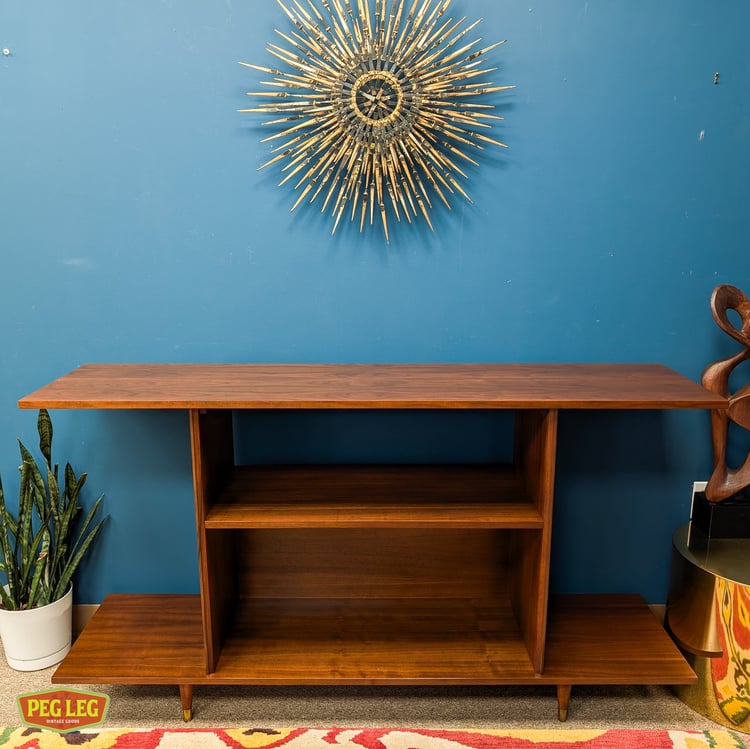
[729,518]
[726,482]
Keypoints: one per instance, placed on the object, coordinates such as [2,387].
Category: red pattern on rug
[370,738]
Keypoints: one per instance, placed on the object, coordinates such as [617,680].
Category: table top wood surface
[372,386]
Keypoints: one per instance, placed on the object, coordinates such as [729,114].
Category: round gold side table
[708,615]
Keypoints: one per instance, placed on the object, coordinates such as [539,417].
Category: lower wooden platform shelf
[592,639]
[373,574]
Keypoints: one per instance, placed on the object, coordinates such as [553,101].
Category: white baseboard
[82,612]
[659,610]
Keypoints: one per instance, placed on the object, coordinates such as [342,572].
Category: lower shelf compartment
[373,641]
[157,639]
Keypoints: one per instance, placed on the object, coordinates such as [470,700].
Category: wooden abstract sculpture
[725,481]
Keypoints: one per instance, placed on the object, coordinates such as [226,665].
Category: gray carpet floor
[455,707]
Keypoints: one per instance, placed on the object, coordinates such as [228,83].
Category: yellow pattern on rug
[731,674]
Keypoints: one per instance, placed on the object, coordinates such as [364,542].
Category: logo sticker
[63,710]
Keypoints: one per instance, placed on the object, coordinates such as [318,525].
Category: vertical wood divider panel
[534,458]
[212,440]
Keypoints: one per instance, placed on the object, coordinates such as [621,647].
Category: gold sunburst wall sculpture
[377,107]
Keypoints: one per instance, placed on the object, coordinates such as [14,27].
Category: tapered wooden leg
[186,695]
[563,698]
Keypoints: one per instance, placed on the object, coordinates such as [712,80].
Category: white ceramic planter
[37,638]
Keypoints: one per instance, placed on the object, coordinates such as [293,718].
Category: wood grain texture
[358,641]
[534,458]
[611,639]
[726,480]
[592,640]
[373,563]
[385,496]
[212,445]
[374,574]
[335,386]
[138,639]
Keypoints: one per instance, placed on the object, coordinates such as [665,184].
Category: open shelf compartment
[409,532]
[361,496]
[368,641]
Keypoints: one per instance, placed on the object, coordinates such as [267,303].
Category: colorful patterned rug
[370,738]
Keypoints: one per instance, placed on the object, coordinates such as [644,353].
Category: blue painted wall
[134,226]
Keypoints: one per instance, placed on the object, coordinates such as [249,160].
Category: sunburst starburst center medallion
[377,106]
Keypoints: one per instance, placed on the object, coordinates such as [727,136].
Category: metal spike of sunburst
[374,110]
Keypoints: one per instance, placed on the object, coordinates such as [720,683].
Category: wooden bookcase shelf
[373,574]
[358,640]
[368,496]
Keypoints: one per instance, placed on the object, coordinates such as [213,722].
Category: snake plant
[43,544]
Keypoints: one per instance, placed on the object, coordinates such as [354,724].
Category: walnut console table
[373,574]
